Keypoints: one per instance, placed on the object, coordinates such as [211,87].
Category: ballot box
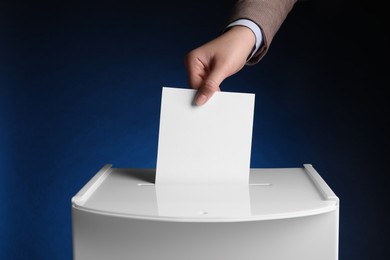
[282,214]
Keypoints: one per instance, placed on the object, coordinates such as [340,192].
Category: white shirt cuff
[254,28]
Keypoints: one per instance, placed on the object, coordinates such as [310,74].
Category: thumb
[209,86]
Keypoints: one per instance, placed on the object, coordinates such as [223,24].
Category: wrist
[255,28]
[245,36]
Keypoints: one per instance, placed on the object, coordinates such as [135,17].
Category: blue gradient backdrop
[80,86]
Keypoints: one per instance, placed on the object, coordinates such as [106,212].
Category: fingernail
[201,99]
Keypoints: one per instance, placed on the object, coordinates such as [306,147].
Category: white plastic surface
[271,194]
[105,237]
[288,213]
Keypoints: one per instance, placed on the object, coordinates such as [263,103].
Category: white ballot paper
[209,144]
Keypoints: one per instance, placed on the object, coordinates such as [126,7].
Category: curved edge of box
[93,184]
[289,215]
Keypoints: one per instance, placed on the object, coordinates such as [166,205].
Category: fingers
[196,70]
[205,73]
[211,63]
[209,86]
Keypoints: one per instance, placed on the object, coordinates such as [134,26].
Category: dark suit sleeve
[267,14]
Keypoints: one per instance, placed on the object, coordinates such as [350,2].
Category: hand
[211,63]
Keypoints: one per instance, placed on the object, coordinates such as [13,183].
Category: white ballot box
[282,214]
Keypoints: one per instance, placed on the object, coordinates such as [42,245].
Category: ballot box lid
[272,193]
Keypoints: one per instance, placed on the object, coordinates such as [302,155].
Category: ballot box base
[284,213]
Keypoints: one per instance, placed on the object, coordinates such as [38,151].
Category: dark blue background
[80,86]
